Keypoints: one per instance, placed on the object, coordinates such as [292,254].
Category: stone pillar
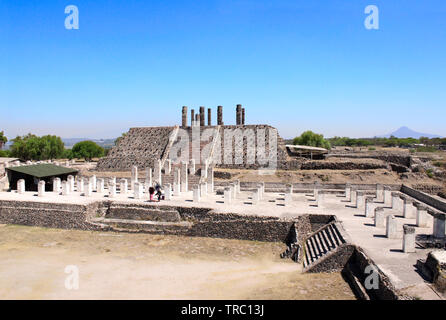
[316,188]
[396,201]
[369,210]
[379,193]
[157,171]
[123,186]
[56,185]
[80,185]
[203,189]
[387,195]
[288,199]
[353,195]
[209,117]
[348,190]
[196,191]
[379,217]
[65,188]
[262,190]
[100,185]
[167,166]
[228,195]
[320,199]
[184,185]
[220,115]
[238,114]
[192,117]
[88,188]
[392,227]
[439,226]
[176,189]
[421,215]
[21,186]
[360,200]
[202,117]
[176,181]
[232,189]
[113,179]
[134,177]
[41,188]
[255,196]
[138,190]
[192,166]
[148,180]
[197,119]
[112,189]
[243,116]
[408,239]
[184,117]
[408,209]
[93,181]
[70,180]
[168,192]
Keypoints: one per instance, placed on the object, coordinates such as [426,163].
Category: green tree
[309,138]
[87,150]
[68,154]
[3,139]
[32,147]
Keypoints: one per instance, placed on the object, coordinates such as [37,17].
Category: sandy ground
[142,266]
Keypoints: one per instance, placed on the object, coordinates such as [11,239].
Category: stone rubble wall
[140,147]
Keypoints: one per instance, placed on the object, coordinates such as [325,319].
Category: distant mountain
[405,132]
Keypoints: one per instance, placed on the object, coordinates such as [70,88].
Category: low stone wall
[423,197]
[347,165]
[355,269]
[205,222]
[52,215]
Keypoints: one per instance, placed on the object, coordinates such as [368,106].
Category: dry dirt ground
[143,266]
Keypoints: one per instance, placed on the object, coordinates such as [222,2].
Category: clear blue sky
[296,65]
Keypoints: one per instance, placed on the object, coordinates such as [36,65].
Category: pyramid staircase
[323,246]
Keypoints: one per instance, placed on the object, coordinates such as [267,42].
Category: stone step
[321,243]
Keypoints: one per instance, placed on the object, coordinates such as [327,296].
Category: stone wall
[423,197]
[44,214]
[204,222]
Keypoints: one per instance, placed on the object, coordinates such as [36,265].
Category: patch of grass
[426,149]
[372,149]
[429,173]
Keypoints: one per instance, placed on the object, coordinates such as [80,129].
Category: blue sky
[296,65]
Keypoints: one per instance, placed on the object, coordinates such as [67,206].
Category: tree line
[49,147]
[310,138]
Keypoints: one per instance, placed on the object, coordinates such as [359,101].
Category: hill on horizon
[405,132]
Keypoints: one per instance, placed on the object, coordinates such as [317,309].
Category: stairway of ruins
[130,218]
[321,244]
